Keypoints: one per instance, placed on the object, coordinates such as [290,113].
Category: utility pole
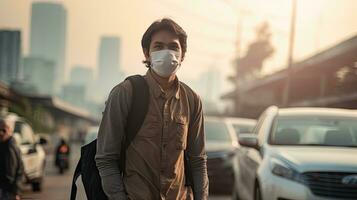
[287,90]
[240,15]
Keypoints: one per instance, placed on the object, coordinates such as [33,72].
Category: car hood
[218,146]
[304,159]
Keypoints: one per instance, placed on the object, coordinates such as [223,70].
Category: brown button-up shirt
[155,158]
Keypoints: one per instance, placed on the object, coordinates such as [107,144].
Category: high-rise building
[40,73]
[109,68]
[81,75]
[10,53]
[48,36]
[74,94]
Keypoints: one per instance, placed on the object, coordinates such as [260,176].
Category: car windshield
[216,131]
[314,131]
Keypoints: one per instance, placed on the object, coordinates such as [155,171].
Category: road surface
[57,187]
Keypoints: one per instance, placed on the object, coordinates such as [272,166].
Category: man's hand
[17,197]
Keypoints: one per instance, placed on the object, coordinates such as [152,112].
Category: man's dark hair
[166,24]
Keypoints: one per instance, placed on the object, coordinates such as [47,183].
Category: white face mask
[165,62]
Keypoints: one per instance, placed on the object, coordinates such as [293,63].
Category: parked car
[241,125]
[33,155]
[299,153]
[221,144]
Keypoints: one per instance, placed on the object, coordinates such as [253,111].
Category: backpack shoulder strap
[136,115]
[192,104]
[139,107]
[77,173]
[191,101]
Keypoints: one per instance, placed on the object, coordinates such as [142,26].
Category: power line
[194,16]
[234,7]
[211,38]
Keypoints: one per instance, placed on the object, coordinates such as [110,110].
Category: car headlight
[228,155]
[282,169]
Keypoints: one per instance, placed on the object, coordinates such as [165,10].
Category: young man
[155,158]
[11,167]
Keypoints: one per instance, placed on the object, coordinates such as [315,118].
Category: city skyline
[212,41]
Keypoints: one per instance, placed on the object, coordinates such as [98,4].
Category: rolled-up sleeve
[110,135]
[197,154]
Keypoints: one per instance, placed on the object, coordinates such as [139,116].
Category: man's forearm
[110,135]
[112,181]
[198,165]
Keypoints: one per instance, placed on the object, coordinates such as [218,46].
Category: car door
[27,147]
[248,161]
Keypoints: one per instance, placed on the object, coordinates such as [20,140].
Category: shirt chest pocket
[181,129]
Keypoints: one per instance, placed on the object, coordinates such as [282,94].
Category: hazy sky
[211,25]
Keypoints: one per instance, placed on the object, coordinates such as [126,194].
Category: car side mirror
[32,150]
[42,141]
[248,140]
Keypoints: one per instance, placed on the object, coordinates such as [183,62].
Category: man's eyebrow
[174,43]
[158,42]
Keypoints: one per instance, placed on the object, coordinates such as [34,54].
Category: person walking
[11,166]
[173,127]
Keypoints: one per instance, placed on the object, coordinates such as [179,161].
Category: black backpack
[86,166]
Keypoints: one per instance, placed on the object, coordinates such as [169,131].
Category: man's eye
[158,46]
[174,48]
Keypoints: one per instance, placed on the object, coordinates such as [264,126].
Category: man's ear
[146,54]
[182,57]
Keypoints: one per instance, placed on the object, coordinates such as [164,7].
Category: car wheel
[36,186]
[235,195]
[257,193]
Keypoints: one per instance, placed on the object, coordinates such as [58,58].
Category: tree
[35,114]
[258,51]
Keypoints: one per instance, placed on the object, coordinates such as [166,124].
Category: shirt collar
[156,88]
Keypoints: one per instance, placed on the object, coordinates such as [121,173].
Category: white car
[221,145]
[241,125]
[33,155]
[299,154]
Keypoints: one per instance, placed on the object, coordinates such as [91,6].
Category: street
[57,187]
[264,91]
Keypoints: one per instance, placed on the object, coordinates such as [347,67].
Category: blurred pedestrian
[155,165]
[11,166]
